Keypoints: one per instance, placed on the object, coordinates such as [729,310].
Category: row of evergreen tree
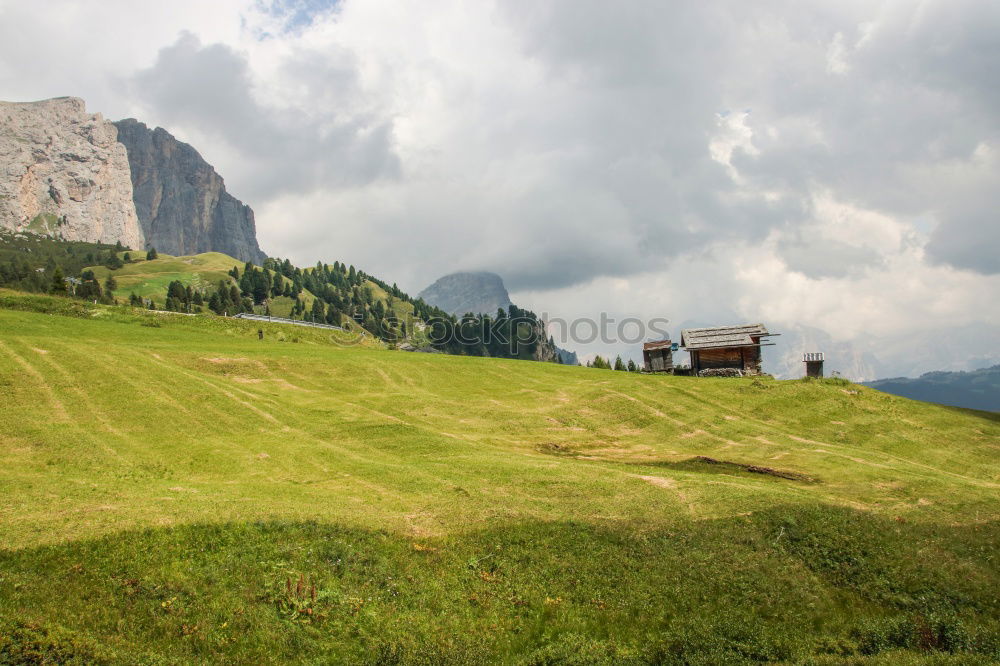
[604,364]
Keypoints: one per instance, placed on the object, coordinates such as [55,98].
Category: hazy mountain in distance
[784,359]
[979,389]
[870,357]
[459,293]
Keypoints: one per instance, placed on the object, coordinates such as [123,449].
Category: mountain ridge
[976,389]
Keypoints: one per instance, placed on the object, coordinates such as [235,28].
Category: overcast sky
[828,164]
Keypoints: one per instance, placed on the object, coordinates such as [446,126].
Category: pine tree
[151,254]
[215,303]
[632,367]
[246,284]
[618,364]
[318,311]
[113,262]
[110,284]
[58,282]
[176,290]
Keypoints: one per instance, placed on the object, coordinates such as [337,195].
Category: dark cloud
[208,90]
[970,239]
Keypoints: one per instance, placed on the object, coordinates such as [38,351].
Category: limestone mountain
[64,173]
[74,175]
[181,201]
[460,293]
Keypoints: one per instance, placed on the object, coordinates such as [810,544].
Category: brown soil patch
[758,469]
[658,481]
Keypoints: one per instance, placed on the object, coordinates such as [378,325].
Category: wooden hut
[658,356]
[726,347]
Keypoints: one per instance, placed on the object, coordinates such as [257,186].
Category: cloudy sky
[832,165]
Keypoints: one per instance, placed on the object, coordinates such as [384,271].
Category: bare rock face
[460,293]
[181,201]
[64,173]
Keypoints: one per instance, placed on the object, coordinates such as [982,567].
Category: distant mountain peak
[475,291]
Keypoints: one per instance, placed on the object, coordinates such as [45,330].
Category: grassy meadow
[178,491]
[150,278]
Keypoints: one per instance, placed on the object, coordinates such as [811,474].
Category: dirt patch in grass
[556,449]
[756,469]
[705,464]
[658,481]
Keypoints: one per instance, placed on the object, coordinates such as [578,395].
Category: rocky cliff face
[181,201]
[63,173]
[460,293]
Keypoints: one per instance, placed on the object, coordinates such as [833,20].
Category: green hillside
[178,491]
[150,278]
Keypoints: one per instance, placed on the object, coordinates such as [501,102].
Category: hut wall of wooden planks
[726,347]
[658,356]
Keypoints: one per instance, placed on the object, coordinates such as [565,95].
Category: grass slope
[178,491]
[150,278]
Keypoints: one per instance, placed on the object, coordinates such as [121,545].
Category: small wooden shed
[726,347]
[814,364]
[658,356]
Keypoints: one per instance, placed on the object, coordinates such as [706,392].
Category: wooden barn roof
[659,344]
[722,336]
